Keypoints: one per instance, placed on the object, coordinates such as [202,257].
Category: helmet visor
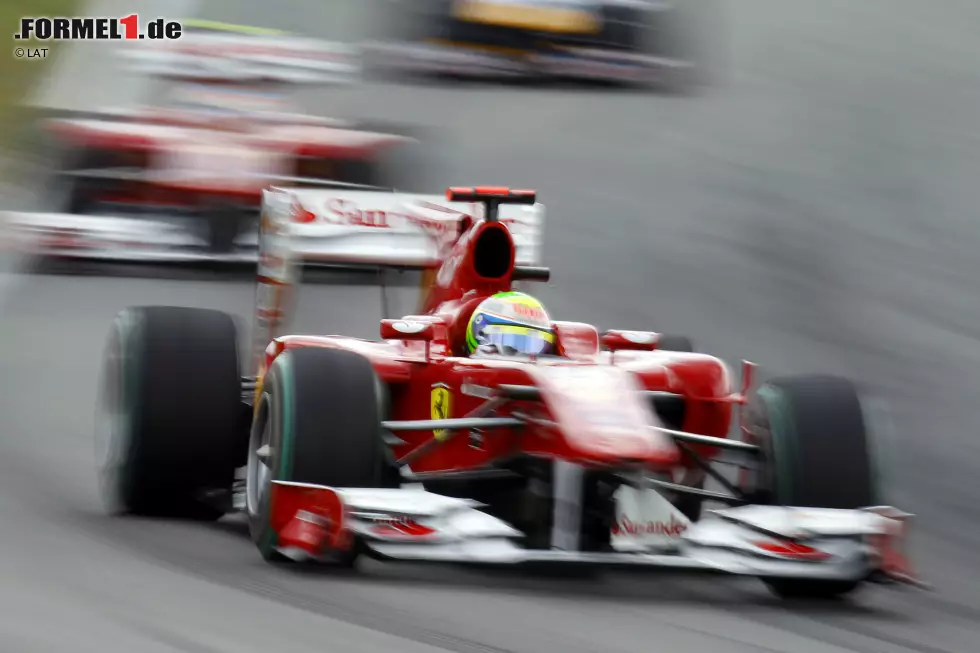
[524,340]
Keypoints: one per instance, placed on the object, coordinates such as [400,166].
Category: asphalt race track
[814,212]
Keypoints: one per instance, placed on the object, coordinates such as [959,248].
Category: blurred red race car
[483,431]
[182,180]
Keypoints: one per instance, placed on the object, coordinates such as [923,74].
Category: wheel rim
[258,476]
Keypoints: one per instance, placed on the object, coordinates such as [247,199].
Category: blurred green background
[19,76]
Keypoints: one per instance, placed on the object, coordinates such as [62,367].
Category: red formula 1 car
[182,180]
[412,447]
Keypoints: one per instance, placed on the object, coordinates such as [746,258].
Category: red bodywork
[589,405]
[187,156]
[590,408]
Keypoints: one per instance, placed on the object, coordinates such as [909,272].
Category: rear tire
[807,426]
[224,224]
[169,412]
[320,414]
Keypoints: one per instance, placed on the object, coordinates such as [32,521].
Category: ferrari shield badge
[440,405]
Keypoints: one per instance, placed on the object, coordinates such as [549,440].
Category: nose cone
[603,416]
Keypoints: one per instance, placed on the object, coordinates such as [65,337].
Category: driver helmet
[511,322]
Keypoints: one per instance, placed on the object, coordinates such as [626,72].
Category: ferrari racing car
[480,430]
[182,180]
[613,40]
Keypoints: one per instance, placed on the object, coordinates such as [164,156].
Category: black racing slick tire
[223,224]
[169,412]
[816,452]
[319,419]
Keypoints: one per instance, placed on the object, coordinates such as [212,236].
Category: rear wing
[367,230]
[233,56]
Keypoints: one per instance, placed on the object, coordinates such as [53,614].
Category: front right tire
[816,453]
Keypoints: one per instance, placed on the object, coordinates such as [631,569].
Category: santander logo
[672,528]
[344,211]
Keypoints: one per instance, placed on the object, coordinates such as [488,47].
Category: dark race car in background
[182,180]
[631,41]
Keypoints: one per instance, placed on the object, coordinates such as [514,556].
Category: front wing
[316,522]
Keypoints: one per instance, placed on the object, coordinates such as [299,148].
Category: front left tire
[318,421]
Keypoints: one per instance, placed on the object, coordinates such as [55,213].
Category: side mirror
[407,329]
[615,340]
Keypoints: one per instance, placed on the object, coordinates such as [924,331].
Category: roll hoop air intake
[492,197]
